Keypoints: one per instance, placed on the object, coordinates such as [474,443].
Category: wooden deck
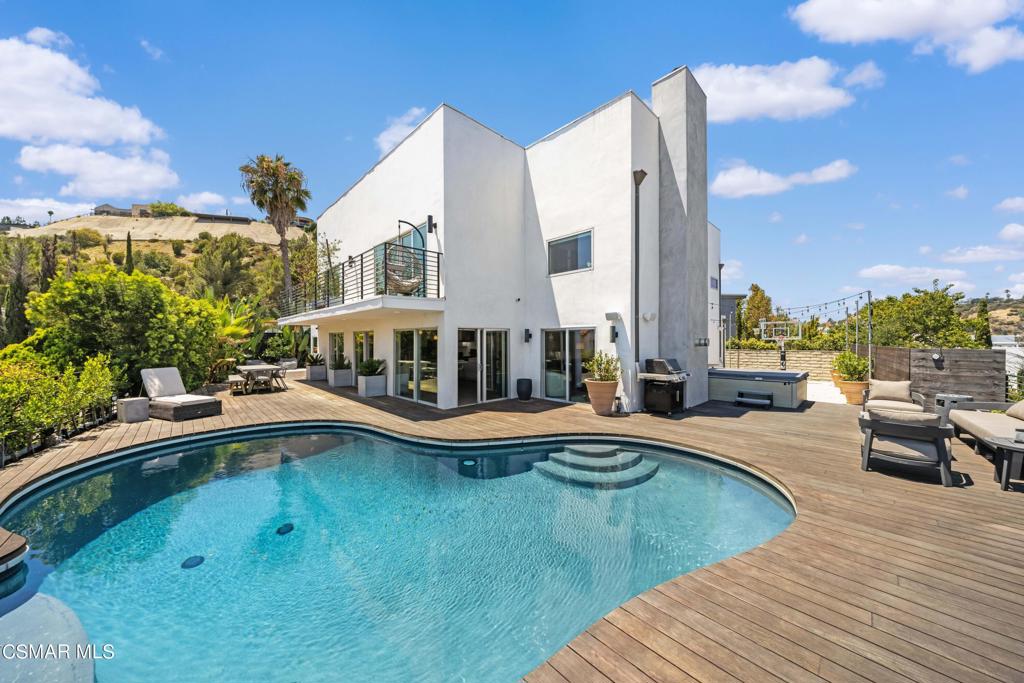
[881,577]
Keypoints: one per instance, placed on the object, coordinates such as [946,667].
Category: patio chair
[908,439]
[886,395]
[236,384]
[277,376]
[168,399]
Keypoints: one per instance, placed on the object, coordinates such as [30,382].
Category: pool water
[402,564]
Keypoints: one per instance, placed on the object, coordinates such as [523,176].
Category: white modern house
[469,261]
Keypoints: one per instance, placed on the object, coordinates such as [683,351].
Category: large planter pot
[524,388]
[316,373]
[372,385]
[836,378]
[344,377]
[853,391]
[602,395]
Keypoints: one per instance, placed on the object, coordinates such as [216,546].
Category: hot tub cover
[763,375]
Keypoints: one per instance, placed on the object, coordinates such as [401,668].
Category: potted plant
[341,370]
[836,377]
[853,373]
[315,369]
[603,381]
[371,380]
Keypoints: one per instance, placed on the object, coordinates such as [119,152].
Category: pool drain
[285,529]
[192,562]
[468,462]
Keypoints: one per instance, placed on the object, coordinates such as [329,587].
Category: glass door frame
[481,364]
[566,333]
[416,375]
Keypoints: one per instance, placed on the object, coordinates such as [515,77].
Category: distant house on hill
[221,218]
[303,222]
[111,210]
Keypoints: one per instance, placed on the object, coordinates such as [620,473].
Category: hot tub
[788,388]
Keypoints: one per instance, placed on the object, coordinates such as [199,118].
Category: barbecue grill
[664,385]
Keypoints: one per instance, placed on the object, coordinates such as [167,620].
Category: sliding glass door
[565,353]
[416,365]
[482,365]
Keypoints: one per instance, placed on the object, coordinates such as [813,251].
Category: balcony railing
[387,269]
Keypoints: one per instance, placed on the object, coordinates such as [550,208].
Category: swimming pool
[344,555]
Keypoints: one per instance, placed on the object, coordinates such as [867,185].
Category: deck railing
[387,269]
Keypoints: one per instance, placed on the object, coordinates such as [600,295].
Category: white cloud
[966,30]
[983,253]
[963,286]
[18,180]
[1012,232]
[959,160]
[959,192]
[56,101]
[100,174]
[775,217]
[743,180]
[48,38]
[924,249]
[732,269]
[35,209]
[785,91]
[865,75]
[200,202]
[1000,268]
[1017,291]
[1016,277]
[911,275]
[240,201]
[1011,204]
[802,238]
[855,226]
[155,53]
[398,128]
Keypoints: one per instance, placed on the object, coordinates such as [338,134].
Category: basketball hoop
[781,331]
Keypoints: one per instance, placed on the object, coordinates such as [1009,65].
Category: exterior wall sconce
[527,335]
[614,334]
[702,341]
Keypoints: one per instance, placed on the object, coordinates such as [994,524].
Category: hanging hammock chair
[404,270]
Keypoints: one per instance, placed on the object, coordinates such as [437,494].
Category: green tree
[756,307]
[47,262]
[982,325]
[134,319]
[223,267]
[278,189]
[129,260]
[161,209]
[17,274]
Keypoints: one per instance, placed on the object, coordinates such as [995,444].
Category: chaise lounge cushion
[185,399]
[907,449]
[907,417]
[1016,410]
[985,425]
[884,404]
[160,382]
[881,390]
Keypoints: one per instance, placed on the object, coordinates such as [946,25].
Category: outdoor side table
[1010,460]
[947,402]
[132,409]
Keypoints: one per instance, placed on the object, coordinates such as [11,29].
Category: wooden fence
[980,373]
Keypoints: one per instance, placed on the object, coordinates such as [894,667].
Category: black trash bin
[524,388]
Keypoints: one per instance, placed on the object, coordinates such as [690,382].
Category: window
[569,253]
[714,283]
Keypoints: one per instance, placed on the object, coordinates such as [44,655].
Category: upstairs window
[714,283]
[568,254]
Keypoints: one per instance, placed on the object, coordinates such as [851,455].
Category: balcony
[387,270]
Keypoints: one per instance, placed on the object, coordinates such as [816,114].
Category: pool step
[633,475]
[622,460]
[593,450]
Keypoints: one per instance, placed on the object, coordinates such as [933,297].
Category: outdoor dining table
[257,371]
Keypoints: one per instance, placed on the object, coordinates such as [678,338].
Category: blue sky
[848,149]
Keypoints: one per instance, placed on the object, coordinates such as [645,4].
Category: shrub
[160,209]
[134,319]
[371,366]
[603,367]
[178,247]
[851,367]
[751,344]
[28,398]
[155,262]
[118,258]
[315,359]
[87,237]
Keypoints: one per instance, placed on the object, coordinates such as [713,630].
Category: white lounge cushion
[881,390]
[881,404]
[905,449]
[1016,410]
[185,399]
[985,425]
[907,417]
[160,382]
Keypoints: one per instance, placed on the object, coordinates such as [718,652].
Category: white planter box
[373,385]
[316,373]
[341,378]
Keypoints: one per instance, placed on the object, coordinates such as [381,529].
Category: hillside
[185,228]
[1006,316]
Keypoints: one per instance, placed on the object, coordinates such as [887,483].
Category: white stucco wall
[714,304]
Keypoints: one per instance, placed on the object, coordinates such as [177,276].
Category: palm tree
[278,189]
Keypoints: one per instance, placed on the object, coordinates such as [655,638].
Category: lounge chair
[885,395]
[908,439]
[977,419]
[168,399]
